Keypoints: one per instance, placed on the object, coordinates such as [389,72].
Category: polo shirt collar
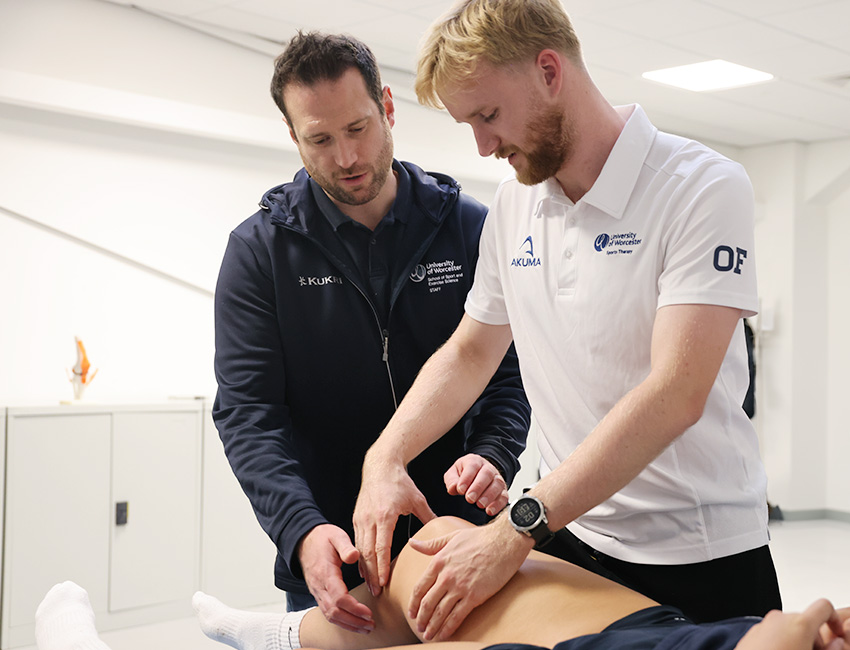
[549,192]
[616,182]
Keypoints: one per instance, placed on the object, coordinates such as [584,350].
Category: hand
[820,627]
[386,492]
[468,567]
[322,552]
[478,479]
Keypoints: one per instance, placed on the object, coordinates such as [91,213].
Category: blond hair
[500,32]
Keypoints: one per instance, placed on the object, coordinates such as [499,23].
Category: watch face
[525,513]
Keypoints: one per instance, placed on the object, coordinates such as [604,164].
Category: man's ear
[291,131]
[551,66]
[389,105]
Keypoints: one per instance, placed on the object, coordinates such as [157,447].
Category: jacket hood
[292,204]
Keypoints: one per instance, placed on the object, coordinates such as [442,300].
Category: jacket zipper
[385,343]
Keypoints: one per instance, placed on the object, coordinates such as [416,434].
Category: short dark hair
[314,56]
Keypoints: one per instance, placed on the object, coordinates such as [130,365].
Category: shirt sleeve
[486,300]
[709,255]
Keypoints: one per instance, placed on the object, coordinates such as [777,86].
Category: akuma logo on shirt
[526,256]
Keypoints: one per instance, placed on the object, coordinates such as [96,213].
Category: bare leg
[546,602]
[521,612]
[255,631]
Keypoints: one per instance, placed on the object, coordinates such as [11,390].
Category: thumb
[429,546]
[347,552]
[422,511]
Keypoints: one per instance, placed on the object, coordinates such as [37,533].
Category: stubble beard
[379,171]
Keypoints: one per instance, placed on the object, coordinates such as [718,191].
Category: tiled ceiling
[805,44]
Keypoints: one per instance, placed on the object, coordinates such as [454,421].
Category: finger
[421,589]
[347,621]
[366,564]
[454,620]
[338,597]
[429,605]
[347,552]
[440,613]
[421,510]
[348,613]
[480,483]
[354,609]
[429,546]
[819,612]
[450,478]
[834,627]
[492,493]
[467,476]
[498,504]
[383,551]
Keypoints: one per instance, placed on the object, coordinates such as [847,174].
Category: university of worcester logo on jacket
[438,274]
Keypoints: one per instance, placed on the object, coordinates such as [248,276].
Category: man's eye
[491,116]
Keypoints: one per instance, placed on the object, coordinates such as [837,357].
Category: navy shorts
[655,628]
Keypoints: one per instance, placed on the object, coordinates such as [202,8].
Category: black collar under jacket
[291,205]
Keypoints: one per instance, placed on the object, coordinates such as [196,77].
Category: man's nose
[486,141]
[346,154]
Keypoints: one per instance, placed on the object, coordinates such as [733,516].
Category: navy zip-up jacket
[308,376]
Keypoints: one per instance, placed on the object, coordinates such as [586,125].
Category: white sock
[65,620]
[247,630]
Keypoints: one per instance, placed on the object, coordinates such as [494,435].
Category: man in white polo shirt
[620,262]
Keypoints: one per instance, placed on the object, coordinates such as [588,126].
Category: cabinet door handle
[121,513]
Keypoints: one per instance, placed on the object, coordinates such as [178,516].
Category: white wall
[130,148]
[801,191]
[838,363]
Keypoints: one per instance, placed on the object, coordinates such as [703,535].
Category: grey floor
[812,560]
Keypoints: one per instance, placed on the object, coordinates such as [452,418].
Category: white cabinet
[156,476]
[238,557]
[186,525]
[66,469]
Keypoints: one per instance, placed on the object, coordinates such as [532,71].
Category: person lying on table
[548,603]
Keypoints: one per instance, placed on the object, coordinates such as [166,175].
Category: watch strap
[541,535]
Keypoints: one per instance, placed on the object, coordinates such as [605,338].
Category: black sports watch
[528,516]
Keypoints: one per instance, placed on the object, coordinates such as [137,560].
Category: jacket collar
[337,217]
[293,205]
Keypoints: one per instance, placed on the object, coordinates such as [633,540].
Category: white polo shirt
[668,221]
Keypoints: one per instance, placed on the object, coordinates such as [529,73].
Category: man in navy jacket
[329,300]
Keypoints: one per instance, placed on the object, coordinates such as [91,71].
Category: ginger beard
[379,171]
[551,143]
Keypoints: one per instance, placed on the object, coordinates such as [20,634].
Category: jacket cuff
[294,530]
